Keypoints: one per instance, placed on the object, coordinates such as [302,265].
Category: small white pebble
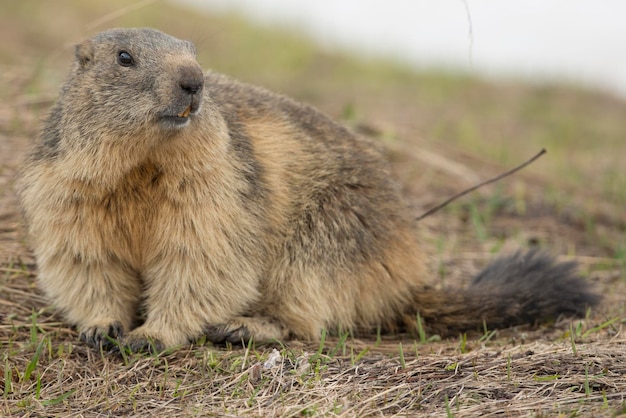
[273,359]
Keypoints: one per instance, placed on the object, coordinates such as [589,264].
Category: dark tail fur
[522,288]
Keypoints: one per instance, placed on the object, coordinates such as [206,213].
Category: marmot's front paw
[138,342]
[233,333]
[105,336]
[144,344]
[242,329]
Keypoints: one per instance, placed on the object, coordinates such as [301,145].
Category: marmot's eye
[125,59]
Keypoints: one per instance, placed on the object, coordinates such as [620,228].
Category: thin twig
[471,189]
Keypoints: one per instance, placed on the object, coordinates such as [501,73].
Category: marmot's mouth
[185,113]
[177,120]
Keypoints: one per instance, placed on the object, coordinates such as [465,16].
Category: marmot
[229,211]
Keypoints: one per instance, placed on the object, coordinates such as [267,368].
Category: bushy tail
[522,288]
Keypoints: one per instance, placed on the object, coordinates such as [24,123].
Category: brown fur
[253,217]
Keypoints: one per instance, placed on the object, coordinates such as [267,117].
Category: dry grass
[46,372]
[441,132]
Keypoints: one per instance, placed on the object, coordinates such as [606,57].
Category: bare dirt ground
[442,135]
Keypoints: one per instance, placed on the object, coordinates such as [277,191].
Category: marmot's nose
[191,86]
[191,80]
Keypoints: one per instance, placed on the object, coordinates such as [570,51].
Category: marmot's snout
[191,83]
[186,95]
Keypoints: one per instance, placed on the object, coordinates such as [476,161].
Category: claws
[222,333]
[143,344]
[103,337]
[111,338]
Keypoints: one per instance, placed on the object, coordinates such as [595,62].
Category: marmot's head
[137,80]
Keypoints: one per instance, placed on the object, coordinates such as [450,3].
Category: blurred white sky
[576,41]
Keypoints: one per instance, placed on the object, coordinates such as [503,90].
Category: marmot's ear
[84,53]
